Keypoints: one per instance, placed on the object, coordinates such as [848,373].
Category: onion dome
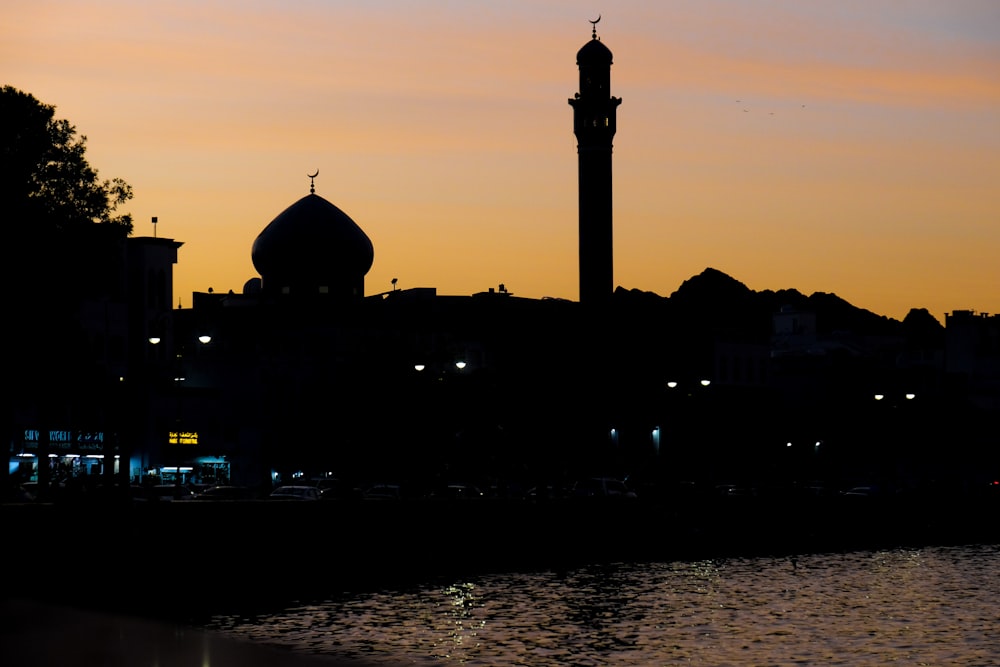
[313,247]
[594,53]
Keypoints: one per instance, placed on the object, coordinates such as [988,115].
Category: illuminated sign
[183,438]
[67,440]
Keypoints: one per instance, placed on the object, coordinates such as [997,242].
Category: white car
[295,493]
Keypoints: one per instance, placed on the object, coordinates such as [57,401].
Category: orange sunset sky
[849,147]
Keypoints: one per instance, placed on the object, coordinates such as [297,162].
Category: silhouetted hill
[714,301]
[836,315]
[922,329]
[712,283]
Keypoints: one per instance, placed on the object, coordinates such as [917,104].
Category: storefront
[182,462]
[69,455]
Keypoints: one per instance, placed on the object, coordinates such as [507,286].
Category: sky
[850,147]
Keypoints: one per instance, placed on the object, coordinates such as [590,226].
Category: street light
[909,396]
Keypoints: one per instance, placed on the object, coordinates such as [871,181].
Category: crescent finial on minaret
[593,25]
[312,182]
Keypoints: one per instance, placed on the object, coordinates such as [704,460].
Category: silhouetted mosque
[303,373]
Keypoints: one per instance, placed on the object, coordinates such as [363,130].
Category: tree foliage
[64,244]
[48,186]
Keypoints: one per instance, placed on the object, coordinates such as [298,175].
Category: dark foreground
[40,634]
[184,560]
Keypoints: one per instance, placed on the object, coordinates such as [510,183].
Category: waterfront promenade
[172,559]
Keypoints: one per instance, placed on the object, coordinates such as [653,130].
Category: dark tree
[47,184]
[64,234]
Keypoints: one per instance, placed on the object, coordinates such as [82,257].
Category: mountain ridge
[718,301]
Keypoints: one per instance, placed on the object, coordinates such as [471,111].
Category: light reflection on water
[932,606]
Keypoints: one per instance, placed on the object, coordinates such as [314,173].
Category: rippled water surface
[929,606]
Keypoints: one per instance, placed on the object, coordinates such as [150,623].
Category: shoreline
[175,559]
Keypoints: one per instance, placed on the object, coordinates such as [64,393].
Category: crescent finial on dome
[593,25]
[312,182]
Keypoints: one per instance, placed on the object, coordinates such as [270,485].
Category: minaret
[594,126]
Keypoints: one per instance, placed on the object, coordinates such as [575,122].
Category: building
[82,392]
[972,355]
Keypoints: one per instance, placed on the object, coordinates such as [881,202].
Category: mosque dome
[594,53]
[252,286]
[313,247]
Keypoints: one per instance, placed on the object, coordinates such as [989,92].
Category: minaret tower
[594,125]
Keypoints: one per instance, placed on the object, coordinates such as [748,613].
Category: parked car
[602,487]
[341,493]
[733,491]
[383,492]
[545,492]
[457,492]
[326,482]
[294,492]
[861,492]
[162,493]
[222,492]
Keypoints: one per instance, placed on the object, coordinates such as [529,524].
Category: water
[927,606]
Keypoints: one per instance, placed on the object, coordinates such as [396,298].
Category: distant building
[972,355]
